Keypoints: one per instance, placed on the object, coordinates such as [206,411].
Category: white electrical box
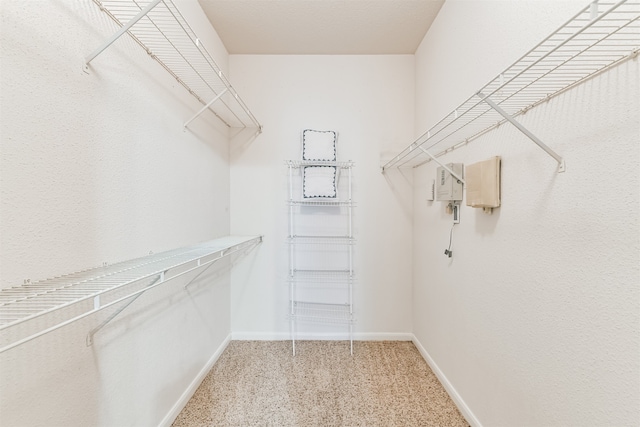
[448,187]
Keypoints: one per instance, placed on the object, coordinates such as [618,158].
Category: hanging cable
[448,251]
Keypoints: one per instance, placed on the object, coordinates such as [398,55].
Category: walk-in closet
[319,213]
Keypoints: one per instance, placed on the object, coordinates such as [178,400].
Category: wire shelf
[322,275]
[167,37]
[322,240]
[301,163]
[600,36]
[345,203]
[322,279]
[71,297]
[324,313]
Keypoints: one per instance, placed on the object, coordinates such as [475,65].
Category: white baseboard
[383,336]
[285,336]
[457,399]
[188,393]
[260,336]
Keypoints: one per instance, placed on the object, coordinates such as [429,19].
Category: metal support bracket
[120,32]
[205,107]
[447,168]
[208,264]
[521,128]
[95,330]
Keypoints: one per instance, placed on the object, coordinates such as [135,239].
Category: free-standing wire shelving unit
[161,30]
[321,273]
[600,36]
[34,309]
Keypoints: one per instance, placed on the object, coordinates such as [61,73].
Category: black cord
[448,251]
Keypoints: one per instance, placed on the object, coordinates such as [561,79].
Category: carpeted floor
[260,383]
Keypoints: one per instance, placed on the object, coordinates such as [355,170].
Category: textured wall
[369,101]
[534,321]
[96,167]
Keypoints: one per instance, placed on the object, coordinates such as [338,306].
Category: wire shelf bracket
[524,130]
[602,35]
[209,104]
[445,167]
[120,32]
[161,30]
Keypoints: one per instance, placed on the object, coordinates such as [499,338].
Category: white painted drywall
[535,319]
[369,101]
[96,167]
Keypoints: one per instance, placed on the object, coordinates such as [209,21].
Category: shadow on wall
[203,131]
[241,139]
[399,180]
[486,223]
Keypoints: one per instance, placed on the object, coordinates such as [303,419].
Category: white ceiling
[321,26]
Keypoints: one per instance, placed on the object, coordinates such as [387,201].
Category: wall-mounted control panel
[448,187]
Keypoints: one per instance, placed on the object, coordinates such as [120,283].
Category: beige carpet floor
[260,383]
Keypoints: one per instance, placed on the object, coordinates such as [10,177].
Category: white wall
[96,167]
[535,319]
[369,101]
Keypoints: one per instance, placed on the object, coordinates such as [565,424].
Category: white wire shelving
[161,30]
[319,312]
[321,203]
[321,245]
[34,309]
[600,36]
[320,278]
[300,163]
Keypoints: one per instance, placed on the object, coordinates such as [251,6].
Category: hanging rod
[161,30]
[61,301]
[600,36]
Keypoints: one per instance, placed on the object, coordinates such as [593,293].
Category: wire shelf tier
[322,279]
[322,275]
[325,313]
[322,240]
[600,36]
[167,37]
[301,163]
[345,203]
[71,297]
